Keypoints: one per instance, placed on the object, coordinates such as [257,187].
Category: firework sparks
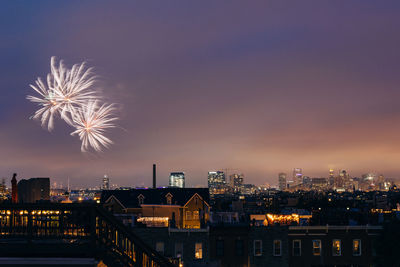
[91,122]
[72,88]
[66,91]
[47,101]
[68,94]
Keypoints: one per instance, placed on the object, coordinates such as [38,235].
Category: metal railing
[77,223]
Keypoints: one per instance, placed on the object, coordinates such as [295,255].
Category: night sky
[257,86]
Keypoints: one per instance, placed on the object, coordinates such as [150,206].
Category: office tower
[177,179]
[331,178]
[297,176]
[216,182]
[3,186]
[282,181]
[236,182]
[370,178]
[106,183]
[307,182]
[341,181]
[381,182]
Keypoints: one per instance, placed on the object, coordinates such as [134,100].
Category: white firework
[91,122]
[72,87]
[47,102]
[66,91]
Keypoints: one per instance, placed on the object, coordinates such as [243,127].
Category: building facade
[216,182]
[282,181]
[161,207]
[106,183]
[33,190]
[177,179]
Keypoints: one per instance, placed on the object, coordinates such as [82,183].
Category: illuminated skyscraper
[177,179]
[237,182]
[282,181]
[216,182]
[297,176]
[331,179]
[106,183]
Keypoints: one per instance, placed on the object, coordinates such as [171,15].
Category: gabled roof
[180,196]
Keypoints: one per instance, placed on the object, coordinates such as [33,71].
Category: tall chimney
[14,189]
[154,176]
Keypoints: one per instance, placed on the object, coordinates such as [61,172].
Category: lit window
[277,250]
[220,248]
[160,247]
[257,247]
[179,250]
[296,248]
[336,247]
[356,247]
[188,215]
[198,254]
[195,215]
[317,247]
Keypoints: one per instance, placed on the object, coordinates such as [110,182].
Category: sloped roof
[180,196]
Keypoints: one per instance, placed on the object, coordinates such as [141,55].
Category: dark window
[277,248]
[220,248]
[296,247]
[179,250]
[257,247]
[239,247]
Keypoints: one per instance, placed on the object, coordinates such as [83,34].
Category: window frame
[319,247]
[196,215]
[334,248]
[176,246]
[254,247]
[163,247]
[359,248]
[200,250]
[237,251]
[274,247]
[293,252]
[188,215]
[222,248]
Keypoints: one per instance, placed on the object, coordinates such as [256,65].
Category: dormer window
[169,198]
[140,199]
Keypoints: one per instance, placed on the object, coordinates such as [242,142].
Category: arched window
[169,198]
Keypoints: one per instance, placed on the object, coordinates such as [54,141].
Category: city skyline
[166,181]
[262,89]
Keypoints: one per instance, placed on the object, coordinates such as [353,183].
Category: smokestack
[14,189]
[154,176]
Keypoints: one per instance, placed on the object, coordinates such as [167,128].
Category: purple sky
[257,86]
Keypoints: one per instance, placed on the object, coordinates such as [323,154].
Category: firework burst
[66,91]
[72,88]
[68,94]
[47,102]
[91,122]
